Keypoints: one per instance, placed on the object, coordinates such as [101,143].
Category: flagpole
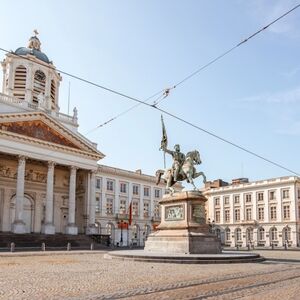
[164,140]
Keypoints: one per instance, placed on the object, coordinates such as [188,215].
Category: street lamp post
[121,239]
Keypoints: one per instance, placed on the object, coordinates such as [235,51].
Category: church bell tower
[29,75]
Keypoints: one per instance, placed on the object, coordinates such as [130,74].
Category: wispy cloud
[267,11]
[291,73]
[284,97]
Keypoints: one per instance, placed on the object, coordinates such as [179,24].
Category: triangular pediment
[38,126]
[38,130]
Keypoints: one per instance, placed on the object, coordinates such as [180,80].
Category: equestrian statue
[182,167]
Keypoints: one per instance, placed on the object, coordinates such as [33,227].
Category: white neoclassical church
[50,181]
[47,169]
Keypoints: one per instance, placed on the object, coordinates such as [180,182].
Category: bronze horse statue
[187,172]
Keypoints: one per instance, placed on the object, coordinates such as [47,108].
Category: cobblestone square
[87,275]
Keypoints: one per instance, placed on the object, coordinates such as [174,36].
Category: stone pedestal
[48,229]
[18,227]
[72,229]
[91,229]
[183,227]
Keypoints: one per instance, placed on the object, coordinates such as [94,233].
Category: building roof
[38,54]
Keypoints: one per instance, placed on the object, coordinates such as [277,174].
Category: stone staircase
[33,241]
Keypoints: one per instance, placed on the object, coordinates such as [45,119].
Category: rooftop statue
[183,165]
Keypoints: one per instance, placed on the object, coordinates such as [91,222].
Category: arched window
[238,234]
[135,231]
[147,230]
[218,233]
[39,84]
[227,234]
[286,233]
[20,82]
[53,94]
[261,234]
[273,234]
[249,234]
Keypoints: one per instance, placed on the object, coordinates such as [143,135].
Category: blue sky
[251,97]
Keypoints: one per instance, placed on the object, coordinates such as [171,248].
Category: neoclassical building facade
[262,213]
[49,172]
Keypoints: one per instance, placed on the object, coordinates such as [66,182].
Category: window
[273,213]
[286,234]
[272,195]
[20,82]
[298,193]
[53,94]
[123,187]
[227,234]
[261,213]
[226,200]
[98,204]
[260,196]
[39,84]
[248,198]
[146,208]
[146,191]
[249,234]
[248,214]
[217,201]
[109,206]
[98,183]
[135,189]
[236,199]
[122,206]
[157,193]
[217,216]
[286,212]
[285,194]
[261,234]
[238,234]
[109,185]
[135,208]
[227,215]
[237,215]
[156,209]
[273,234]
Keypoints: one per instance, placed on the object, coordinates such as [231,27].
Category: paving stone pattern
[90,276]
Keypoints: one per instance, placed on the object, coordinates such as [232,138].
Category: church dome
[34,48]
[38,54]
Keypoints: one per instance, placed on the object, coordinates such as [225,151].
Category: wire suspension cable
[166,92]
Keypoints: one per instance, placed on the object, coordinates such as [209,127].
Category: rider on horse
[178,160]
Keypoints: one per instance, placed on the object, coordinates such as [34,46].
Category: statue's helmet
[177,147]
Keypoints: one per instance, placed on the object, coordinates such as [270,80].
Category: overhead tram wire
[154,105]
[166,92]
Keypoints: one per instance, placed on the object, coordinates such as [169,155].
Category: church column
[10,86]
[72,228]
[19,225]
[48,227]
[29,82]
[91,229]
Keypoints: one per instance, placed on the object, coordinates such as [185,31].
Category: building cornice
[103,169]
[46,145]
[255,185]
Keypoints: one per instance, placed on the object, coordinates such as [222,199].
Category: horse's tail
[158,174]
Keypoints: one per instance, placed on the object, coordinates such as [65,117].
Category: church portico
[44,197]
